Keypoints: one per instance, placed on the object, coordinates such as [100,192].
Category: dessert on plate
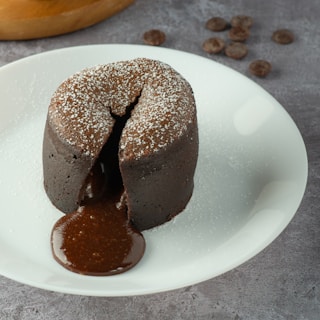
[124,134]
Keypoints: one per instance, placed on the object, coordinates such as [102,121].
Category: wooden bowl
[30,19]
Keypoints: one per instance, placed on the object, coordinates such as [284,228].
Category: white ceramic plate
[249,182]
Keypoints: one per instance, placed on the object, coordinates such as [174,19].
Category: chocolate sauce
[98,238]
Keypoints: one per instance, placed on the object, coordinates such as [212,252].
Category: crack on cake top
[81,108]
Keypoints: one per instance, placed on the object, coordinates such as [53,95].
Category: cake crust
[158,147]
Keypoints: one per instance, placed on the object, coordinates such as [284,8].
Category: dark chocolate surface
[157,164]
[160,186]
[97,240]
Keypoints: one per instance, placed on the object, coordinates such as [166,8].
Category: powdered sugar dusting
[82,107]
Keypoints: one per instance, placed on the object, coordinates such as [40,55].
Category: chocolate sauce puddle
[98,239]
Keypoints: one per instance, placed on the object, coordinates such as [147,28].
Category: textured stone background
[283,281]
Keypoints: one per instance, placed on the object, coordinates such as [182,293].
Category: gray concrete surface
[283,281]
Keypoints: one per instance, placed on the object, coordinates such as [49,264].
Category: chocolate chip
[216,24]
[236,50]
[242,21]
[239,33]
[154,37]
[283,36]
[213,45]
[260,68]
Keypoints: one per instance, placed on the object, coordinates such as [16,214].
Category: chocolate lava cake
[137,121]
